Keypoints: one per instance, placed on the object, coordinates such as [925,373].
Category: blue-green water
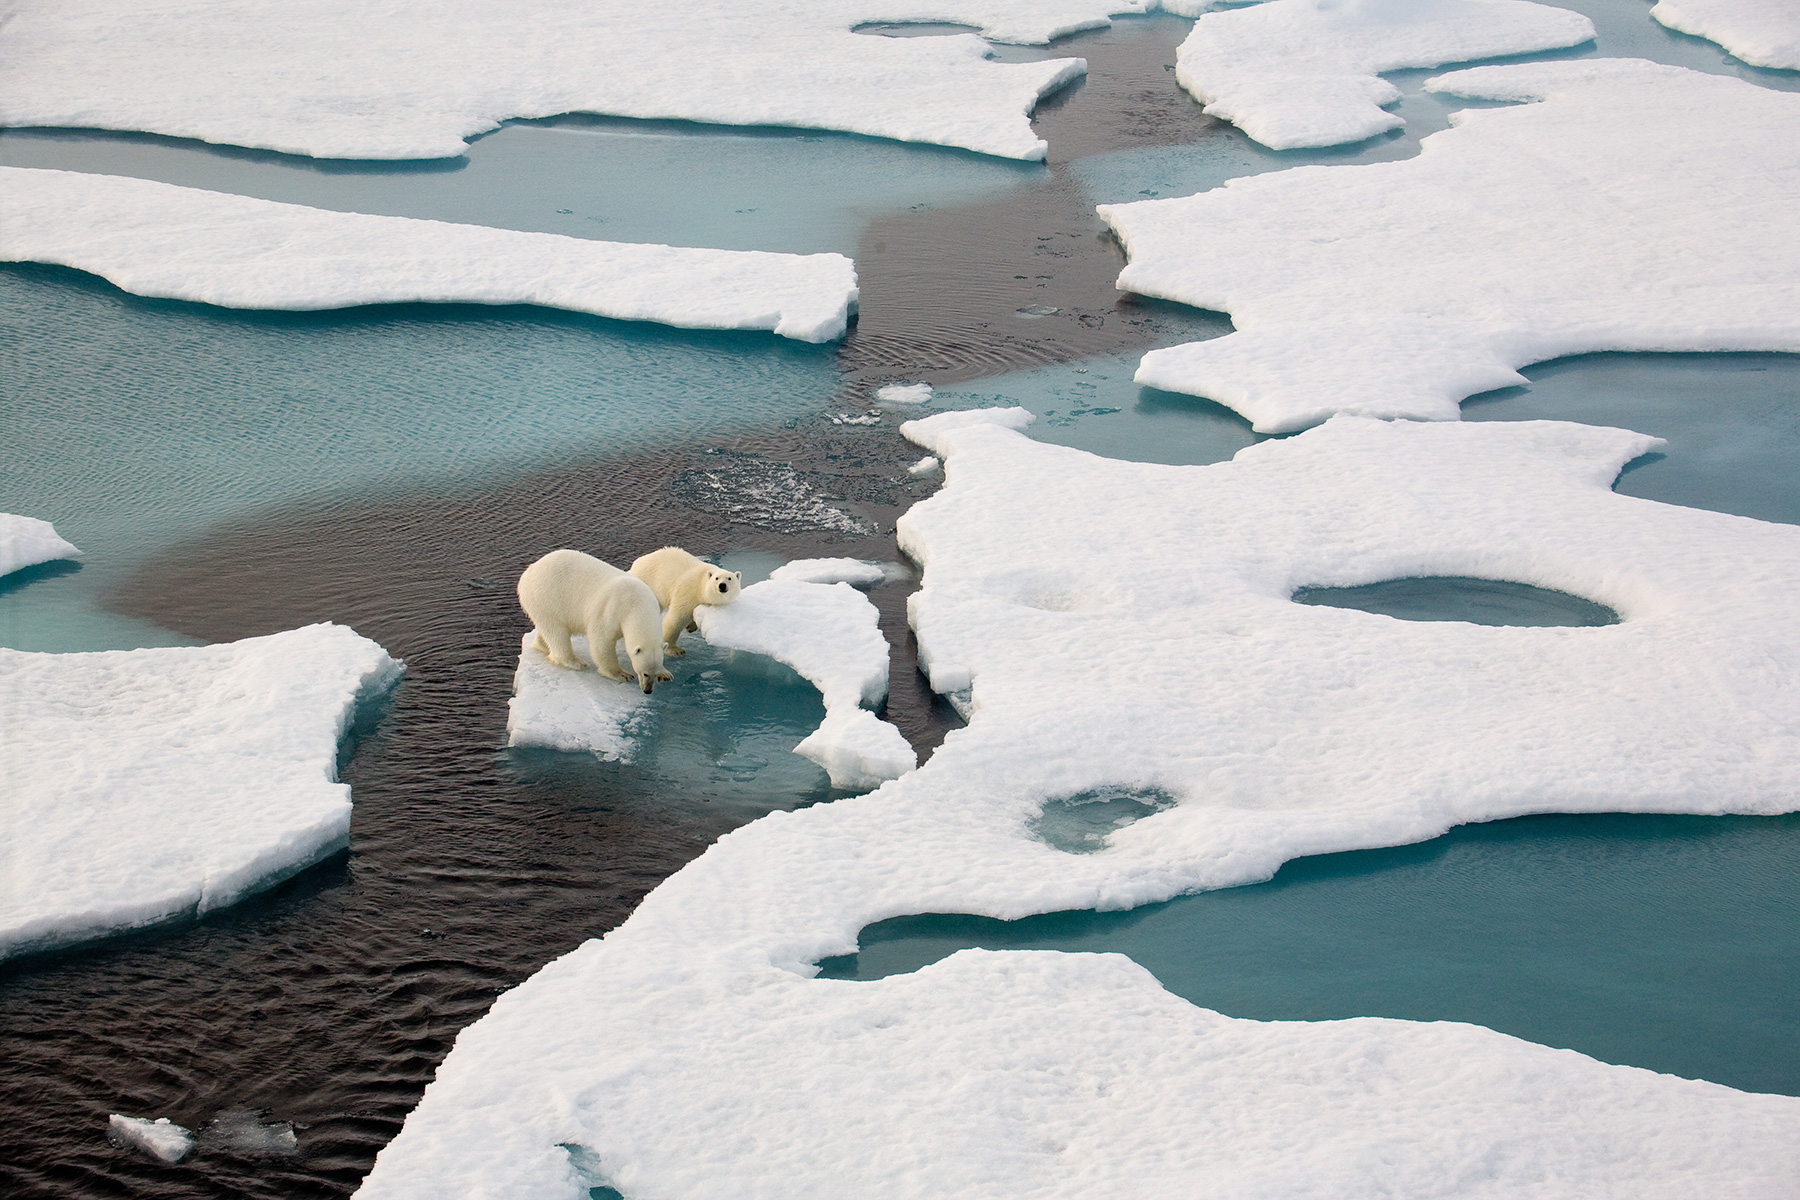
[1460,598]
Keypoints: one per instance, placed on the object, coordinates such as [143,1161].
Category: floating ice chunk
[27,541]
[853,571]
[161,1138]
[560,709]
[904,393]
[929,431]
[1296,73]
[829,633]
[146,785]
[855,418]
[154,239]
[1383,290]
[1763,33]
[924,466]
[414,78]
[243,1131]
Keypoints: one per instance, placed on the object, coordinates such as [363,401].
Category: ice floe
[904,393]
[1298,73]
[1633,206]
[161,1138]
[1763,33]
[415,78]
[853,571]
[154,239]
[146,785]
[559,709]
[828,633]
[27,541]
[1129,626]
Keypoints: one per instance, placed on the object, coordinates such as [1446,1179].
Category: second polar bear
[567,592]
[683,583]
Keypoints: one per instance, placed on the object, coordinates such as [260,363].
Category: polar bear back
[667,570]
[560,588]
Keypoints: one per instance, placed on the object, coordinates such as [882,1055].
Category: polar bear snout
[723,588]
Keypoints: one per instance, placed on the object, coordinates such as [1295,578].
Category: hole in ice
[1666,942]
[1080,824]
[587,1167]
[1460,598]
[905,29]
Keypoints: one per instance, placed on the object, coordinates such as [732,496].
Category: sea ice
[146,785]
[27,541]
[415,78]
[1299,73]
[904,393]
[560,709]
[154,239]
[1128,626]
[924,466]
[161,1138]
[828,633]
[1763,33]
[853,571]
[1631,207]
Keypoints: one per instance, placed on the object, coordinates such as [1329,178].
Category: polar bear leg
[680,616]
[554,645]
[603,645]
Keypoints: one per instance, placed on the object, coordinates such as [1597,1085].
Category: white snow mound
[161,1138]
[1298,73]
[1592,219]
[1763,33]
[415,78]
[559,709]
[853,571]
[27,541]
[154,784]
[154,239]
[828,633]
[1130,625]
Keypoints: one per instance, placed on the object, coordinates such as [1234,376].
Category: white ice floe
[1632,207]
[904,393]
[1298,73]
[559,709]
[154,239]
[161,1138]
[415,78]
[146,785]
[27,541]
[853,571]
[924,466]
[828,633]
[1130,625]
[1763,33]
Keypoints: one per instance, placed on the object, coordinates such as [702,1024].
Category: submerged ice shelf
[155,784]
[154,239]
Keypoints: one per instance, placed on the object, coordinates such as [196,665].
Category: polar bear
[682,583]
[567,592]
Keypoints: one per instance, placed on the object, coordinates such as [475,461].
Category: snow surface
[154,239]
[829,634]
[1299,73]
[1633,206]
[27,541]
[560,709]
[904,393]
[853,571]
[1763,33]
[414,78]
[1129,625]
[924,466]
[147,785]
[160,1138]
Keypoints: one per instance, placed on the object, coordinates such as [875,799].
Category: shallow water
[1459,598]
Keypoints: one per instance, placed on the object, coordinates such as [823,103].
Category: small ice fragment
[904,393]
[161,1138]
[856,418]
[924,466]
[242,1131]
[853,571]
[1037,310]
[27,541]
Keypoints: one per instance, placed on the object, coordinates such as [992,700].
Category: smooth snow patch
[560,709]
[853,571]
[904,393]
[27,541]
[154,239]
[415,78]
[1127,627]
[1590,220]
[829,633]
[1302,73]
[161,1138]
[1763,33]
[152,784]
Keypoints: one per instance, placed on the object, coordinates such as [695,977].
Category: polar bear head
[721,586]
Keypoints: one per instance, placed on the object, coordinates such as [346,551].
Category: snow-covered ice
[161,1138]
[414,78]
[559,709]
[1631,206]
[1129,625]
[1299,73]
[904,393]
[1763,33]
[27,541]
[152,784]
[924,466]
[854,571]
[154,239]
[828,633]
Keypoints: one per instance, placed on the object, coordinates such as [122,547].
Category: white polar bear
[567,592]
[683,583]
